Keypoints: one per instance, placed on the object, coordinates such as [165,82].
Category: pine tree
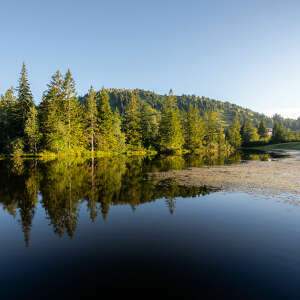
[8,128]
[51,116]
[211,128]
[92,114]
[170,129]
[194,129]
[74,138]
[149,124]
[278,133]
[25,101]
[234,135]
[248,132]
[31,129]
[132,124]
[262,129]
[119,135]
[107,140]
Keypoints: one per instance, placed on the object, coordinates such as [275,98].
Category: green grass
[281,146]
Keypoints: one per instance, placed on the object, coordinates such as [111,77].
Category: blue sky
[244,51]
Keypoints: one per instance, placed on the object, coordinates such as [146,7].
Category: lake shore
[274,177]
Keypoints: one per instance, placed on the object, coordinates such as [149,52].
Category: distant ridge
[227,110]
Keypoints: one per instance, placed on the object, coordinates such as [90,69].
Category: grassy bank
[281,146]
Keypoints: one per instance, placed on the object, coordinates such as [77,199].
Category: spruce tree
[149,124]
[194,129]
[91,116]
[234,135]
[132,124]
[52,117]
[211,128]
[170,129]
[107,140]
[249,132]
[74,138]
[25,101]
[278,133]
[32,131]
[119,135]
[262,129]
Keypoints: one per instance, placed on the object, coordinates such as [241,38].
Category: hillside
[227,110]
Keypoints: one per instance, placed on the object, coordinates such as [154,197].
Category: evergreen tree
[149,124]
[278,133]
[74,138]
[170,129]
[262,130]
[51,116]
[31,129]
[92,114]
[119,135]
[132,124]
[8,128]
[248,132]
[211,128]
[234,135]
[194,129]
[25,101]
[107,140]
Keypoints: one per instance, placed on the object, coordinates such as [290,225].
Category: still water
[81,228]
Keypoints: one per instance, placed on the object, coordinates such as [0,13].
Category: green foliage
[24,102]
[119,135]
[17,147]
[249,132]
[193,129]
[132,124]
[91,118]
[234,135]
[106,140]
[170,129]
[31,130]
[262,130]
[149,125]
[279,133]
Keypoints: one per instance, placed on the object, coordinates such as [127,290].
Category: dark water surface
[72,228]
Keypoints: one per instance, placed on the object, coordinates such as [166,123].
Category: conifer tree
[107,140]
[25,101]
[92,114]
[170,129]
[32,131]
[8,128]
[119,135]
[149,124]
[234,135]
[194,129]
[262,129]
[248,132]
[132,124]
[74,126]
[278,133]
[211,127]
[51,115]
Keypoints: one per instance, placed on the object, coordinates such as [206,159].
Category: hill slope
[227,110]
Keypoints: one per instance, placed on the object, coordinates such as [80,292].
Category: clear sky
[244,51]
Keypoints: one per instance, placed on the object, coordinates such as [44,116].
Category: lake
[81,227]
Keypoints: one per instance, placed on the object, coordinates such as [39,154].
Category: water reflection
[63,185]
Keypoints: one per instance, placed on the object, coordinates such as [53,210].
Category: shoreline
[275,177]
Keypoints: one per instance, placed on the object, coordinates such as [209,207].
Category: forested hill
[120,97]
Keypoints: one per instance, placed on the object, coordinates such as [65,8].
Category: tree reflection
[63,185]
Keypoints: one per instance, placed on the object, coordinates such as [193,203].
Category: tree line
[64,123]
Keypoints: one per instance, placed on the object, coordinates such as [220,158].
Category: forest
[114,121]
